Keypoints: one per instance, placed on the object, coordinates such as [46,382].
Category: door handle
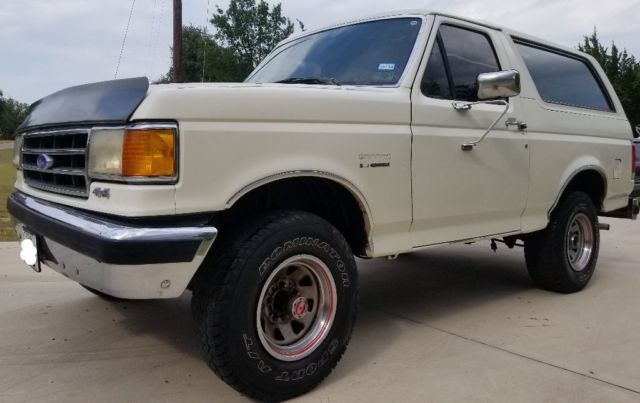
[515,122]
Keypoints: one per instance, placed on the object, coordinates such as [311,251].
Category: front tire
[277,318]
[562,257]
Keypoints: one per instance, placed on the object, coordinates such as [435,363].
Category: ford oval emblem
[44,162]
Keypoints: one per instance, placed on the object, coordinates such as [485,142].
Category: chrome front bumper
[117,256]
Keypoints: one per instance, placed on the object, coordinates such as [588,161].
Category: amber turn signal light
[149,152]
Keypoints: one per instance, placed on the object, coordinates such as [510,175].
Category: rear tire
[277,317]
[562,257]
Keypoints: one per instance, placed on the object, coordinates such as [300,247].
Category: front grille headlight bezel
[81,155]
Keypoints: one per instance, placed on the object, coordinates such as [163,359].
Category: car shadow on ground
[424,286]
[443,281]
[420,287]
[166,320]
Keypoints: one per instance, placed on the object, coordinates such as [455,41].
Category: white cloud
[49,45]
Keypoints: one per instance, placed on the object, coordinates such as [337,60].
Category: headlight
[105,152]
[17,151]
[136,154]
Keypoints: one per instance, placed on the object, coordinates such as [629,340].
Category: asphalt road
[449,324]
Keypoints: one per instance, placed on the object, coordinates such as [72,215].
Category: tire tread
[211,296]
[543,251]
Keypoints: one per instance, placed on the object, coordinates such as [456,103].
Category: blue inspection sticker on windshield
[386,66]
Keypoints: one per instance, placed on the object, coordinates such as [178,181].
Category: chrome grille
[66,152]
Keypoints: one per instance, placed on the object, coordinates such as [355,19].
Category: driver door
[459,195]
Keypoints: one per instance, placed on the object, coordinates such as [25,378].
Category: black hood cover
[107,102]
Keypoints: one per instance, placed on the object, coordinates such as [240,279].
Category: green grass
[7,178]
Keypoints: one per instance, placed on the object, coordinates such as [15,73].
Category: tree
[244,34]
[12,113]
[251,29]
[622,69]
[205,60]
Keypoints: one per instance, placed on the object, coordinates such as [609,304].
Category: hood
[250,102]
[107,102]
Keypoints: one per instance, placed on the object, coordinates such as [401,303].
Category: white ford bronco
[372,138]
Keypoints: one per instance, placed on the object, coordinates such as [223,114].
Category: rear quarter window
[564,79]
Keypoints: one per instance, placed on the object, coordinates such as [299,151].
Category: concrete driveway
[452,323]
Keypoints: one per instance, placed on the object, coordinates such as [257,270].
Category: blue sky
[48,45]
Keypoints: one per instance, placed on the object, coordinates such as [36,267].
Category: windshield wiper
[308,80]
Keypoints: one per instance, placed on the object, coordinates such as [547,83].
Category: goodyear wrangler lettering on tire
[308,242]
[310,369]
[289,324]
[248,342]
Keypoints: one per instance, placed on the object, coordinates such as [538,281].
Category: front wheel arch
[324,194]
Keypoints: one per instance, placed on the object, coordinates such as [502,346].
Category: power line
[124,39]
[204,45]
[152,33]
[162,11]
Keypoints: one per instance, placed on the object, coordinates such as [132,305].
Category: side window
[458,57]
[563,79]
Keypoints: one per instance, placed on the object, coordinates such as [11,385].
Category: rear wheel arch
[591,180]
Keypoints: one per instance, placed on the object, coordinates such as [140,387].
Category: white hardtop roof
[427,12]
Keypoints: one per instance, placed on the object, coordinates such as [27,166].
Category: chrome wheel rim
[296,308]
[579,244]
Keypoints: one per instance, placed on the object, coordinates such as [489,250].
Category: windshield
[369,53]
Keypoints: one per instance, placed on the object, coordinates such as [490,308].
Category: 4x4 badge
[103,193]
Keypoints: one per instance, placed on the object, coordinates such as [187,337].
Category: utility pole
[178,67]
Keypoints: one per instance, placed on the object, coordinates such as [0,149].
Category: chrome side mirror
[500,84]
[491,88]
